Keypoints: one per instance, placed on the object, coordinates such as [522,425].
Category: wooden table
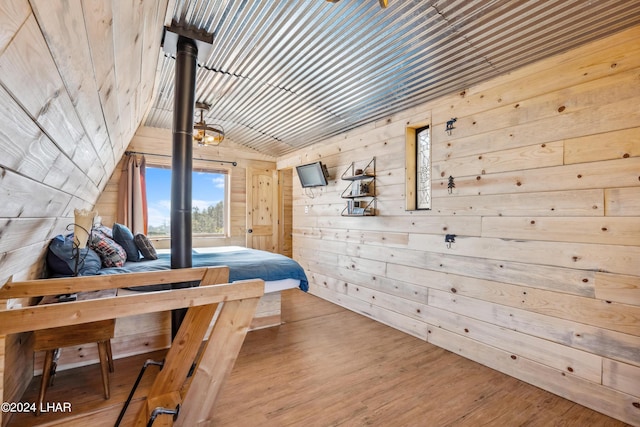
[53,339]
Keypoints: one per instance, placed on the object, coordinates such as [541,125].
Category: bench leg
[110,357]
[104,366]
[46,377]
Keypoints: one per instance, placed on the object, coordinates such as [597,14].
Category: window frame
[226,200]
[411,165]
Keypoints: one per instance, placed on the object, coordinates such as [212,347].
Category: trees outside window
[208,202]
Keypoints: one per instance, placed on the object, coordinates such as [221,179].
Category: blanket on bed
[243,264]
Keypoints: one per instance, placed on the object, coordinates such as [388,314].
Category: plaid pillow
[104,230]
[111,253]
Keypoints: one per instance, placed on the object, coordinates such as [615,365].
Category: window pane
[423,169]
[208,198]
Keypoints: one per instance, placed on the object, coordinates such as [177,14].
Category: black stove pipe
[182,164]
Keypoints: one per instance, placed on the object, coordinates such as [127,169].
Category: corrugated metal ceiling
[283,75]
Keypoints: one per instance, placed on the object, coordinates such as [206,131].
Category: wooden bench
[172,387]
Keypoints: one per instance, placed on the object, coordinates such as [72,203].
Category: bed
[278,271]
[141,334]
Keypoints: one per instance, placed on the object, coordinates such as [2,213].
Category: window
[208,204]
[418,167]
[423,168]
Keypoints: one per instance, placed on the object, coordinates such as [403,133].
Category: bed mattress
[278,271]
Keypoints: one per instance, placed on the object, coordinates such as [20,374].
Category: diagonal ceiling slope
[283,75]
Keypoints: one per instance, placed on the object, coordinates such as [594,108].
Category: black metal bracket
[449,239]
[202,40]
[451,185]
[450,127]
[163,411]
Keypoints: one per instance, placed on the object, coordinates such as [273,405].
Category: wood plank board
[609,230]
[408,264]
[622,201]
[605,174]
[19,232]
[621,377]
[614,316]
[578,203]
[70,49]
[48,102]
[616,287]
[591,62]
[602,342]
[547,154]
[430,224]
[12,16]
[540,119]
[36,154]
[569,360]
[581,256]
[152,33]
[343,277]
[396,320]
[24,197]
[619,144]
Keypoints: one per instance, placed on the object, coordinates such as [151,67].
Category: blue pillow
[123,236]
[61,262]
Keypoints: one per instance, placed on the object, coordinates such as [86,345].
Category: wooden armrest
[77,312]
[70,285]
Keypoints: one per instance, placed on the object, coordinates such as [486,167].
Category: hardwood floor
[326,366]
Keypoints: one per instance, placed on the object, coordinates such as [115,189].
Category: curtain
[132,195]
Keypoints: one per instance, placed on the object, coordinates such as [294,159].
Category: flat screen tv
[313,175]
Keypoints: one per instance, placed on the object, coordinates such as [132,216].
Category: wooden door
[262,194]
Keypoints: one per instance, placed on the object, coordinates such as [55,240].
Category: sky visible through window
[207,189]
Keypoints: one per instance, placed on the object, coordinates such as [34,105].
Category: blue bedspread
[243,264]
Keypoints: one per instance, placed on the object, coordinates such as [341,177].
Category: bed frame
[152,331]
[172,386]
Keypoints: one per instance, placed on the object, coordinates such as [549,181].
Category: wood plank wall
[543,280]
[61,81]
[73,91]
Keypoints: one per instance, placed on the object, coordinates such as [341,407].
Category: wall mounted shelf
[361,192]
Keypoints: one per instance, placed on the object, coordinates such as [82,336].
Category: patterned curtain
[132,195]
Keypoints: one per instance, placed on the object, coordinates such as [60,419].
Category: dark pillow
[123,236]
[145,246]
[61,262]
[111,253]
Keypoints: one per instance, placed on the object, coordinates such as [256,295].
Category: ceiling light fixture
[204,134]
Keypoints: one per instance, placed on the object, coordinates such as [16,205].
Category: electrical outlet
[306,209]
